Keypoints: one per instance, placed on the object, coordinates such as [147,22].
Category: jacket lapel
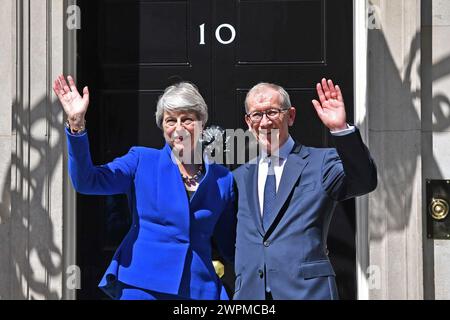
[252,195]
[295,163]
[172,198]
[204,187]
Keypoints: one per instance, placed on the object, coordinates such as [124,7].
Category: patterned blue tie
[270,192]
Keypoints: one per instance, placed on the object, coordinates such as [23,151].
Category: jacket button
[266,243]
[261,273]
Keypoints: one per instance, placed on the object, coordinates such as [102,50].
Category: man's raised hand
[331,108]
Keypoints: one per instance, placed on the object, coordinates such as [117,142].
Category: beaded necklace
[194,179]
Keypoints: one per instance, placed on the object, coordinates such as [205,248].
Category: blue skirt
[127,292]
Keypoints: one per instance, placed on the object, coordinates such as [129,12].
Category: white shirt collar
[283,151]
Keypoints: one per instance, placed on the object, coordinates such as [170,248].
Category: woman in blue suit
[178,200]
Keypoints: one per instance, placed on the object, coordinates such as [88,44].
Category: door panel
[276,30]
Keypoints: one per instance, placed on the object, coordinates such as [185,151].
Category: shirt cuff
[339,133]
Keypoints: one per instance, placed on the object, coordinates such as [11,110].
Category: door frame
[361,120]
[69,193]
[360,38]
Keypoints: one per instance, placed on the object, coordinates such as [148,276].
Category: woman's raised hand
[75,106]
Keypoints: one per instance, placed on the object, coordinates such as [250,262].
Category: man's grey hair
[183,96]
[285,100]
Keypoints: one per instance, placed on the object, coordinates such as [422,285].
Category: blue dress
[167,250]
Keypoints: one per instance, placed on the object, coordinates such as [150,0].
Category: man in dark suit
[288,195]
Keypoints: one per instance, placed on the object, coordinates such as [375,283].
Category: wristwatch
[80,130]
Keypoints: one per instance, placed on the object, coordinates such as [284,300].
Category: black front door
[129,51]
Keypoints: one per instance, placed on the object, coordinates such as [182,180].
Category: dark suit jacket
[290,258]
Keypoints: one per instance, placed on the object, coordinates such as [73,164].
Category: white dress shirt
[282,156]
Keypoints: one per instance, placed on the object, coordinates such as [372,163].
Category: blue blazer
[290,258]
[168,248]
